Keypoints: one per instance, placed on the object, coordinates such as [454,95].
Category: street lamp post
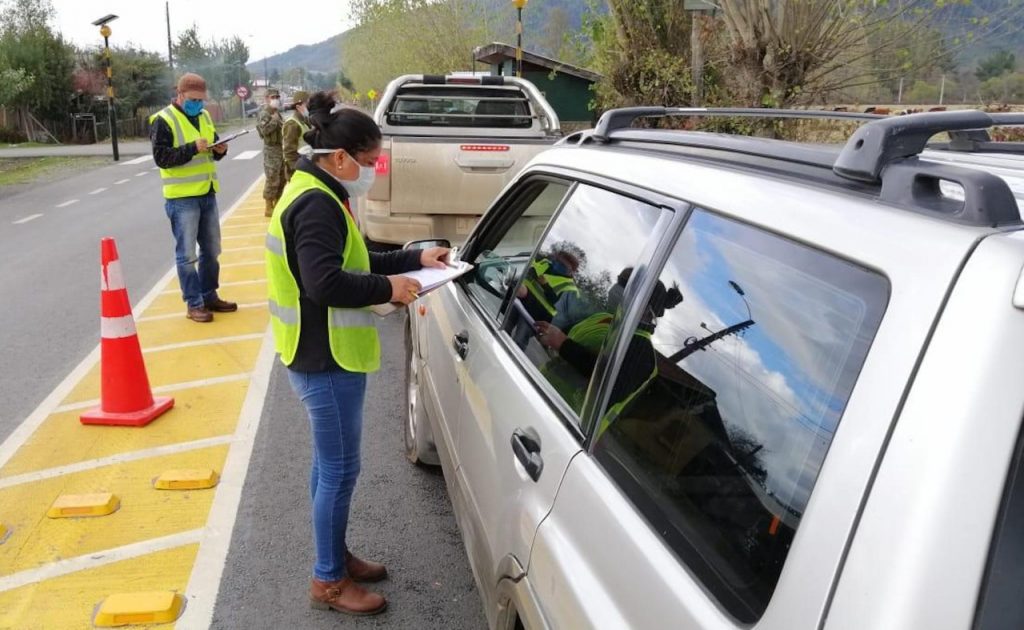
[519,4]
[111,110]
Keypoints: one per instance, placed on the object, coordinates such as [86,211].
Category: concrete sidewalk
[125,149]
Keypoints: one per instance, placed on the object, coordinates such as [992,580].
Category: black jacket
[315,232]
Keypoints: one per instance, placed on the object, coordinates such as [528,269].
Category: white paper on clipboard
[231,136]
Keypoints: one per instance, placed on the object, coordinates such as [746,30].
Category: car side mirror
[427,244]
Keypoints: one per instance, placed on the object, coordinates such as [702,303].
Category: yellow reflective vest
[351,331]
[194,178]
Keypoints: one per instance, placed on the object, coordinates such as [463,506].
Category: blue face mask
[559,269]
[192,107]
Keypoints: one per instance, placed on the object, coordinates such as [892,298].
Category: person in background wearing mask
[269,125]
[294,128]
[321,283]
[185,148]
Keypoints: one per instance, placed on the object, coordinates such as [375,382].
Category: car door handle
[460,343]
[527,450]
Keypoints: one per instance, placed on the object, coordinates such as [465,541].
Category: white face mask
[275,103]
[355,187]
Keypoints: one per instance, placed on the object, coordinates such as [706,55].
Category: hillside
[325,56]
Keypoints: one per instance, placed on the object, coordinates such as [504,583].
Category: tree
[996,65]
[396,37]
[13,81]
[40,62]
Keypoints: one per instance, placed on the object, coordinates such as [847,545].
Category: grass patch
[26,170]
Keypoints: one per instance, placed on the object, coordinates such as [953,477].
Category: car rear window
[729,395]
[443,106]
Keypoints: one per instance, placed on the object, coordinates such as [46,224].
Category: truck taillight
[384,164]
[486,148]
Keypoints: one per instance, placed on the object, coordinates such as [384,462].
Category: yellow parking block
[181,365]
[144,514]
[245,321]
[149,607]
[69,601]
[78,505]
[198,413]
[190,479]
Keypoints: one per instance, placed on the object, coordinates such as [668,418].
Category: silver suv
[705,381]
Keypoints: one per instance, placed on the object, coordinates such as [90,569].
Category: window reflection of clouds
[786,379]
[610,228]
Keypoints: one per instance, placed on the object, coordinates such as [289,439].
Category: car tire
[417,425]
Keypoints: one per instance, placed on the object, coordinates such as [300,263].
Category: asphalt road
[50,277]
[401,513]
[401,516]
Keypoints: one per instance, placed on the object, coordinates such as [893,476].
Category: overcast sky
[267,27]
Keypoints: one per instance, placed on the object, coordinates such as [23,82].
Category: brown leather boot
[345,596]
[269,211]
[363,570]
[201,315]
[218,305]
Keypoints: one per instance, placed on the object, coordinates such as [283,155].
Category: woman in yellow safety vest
[321,283]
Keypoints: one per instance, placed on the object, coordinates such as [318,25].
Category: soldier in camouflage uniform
[269,126]
[294,128]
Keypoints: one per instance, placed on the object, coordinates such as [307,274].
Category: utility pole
[942,90]
[170,49]
[697,57]
[111,109]
[701,344]
[519,4]
[899,97]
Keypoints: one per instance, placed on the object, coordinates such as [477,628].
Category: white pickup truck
[451,144]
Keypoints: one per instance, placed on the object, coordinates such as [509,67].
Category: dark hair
[348,129]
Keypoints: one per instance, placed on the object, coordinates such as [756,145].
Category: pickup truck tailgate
[454,175]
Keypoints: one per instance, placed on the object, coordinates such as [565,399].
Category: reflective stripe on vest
[194,178]
[351,331]
[558,284]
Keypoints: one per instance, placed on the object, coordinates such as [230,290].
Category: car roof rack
[882,152]
[979,140]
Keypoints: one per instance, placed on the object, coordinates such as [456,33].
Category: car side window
[505,251]
[567,295]
[729,395]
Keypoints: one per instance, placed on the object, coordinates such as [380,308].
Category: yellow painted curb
[5,532]
[135,608]
[187,479]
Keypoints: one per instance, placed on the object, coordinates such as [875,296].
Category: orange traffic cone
[125,397]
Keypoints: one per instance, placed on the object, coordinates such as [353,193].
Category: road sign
[372,95]
[242,92]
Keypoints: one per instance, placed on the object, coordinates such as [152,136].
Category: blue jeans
[195,221]
[334,403]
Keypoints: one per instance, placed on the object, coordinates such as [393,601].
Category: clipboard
[231,136]
[429,279]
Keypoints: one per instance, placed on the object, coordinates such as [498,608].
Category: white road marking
[121,181]
[246,155]
[138,160]
[142,174]
[97,191]
[203,342]
[98,559]
[156,318]
[31,217]
[163,389]
[263,225]
[205,582]
[120,458]
[235,237]
[155,168]
[242,249]
[252,263]
[70,202]
[236,283]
